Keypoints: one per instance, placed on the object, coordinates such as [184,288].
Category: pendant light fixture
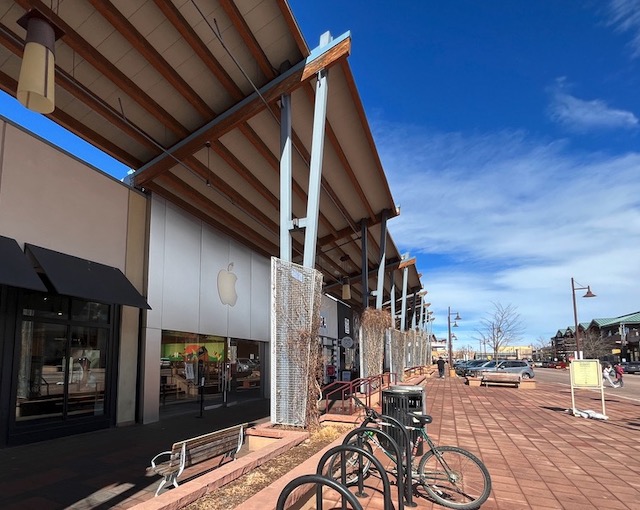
[208,182]
[346,289]
[36,84]
[346,285]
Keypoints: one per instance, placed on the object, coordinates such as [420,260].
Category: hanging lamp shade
[36,84]
[346,290]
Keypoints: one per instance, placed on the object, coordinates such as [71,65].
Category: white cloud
[624,16]
[580,115]
[500,218]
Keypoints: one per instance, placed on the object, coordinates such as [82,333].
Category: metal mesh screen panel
[295,311]
[422,343]
[375,324]
[398,343]
[414,339]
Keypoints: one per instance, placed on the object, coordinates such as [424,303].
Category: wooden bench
[189,452]
[500,378]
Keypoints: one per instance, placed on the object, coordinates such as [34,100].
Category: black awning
[73,276]
[15,268]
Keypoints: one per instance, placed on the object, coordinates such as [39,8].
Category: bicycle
[452,476]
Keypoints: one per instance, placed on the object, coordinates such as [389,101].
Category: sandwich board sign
[586,373]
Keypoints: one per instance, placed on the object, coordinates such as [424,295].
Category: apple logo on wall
[227,286]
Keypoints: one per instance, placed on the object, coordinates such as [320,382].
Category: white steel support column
[285,178]
[364,248]
[315,165]
[393,301]
[388,339]
[403,313]
[383,258]
[415,309]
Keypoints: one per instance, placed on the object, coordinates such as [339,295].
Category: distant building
[613,338]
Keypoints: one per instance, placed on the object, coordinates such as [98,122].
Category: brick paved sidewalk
[539,456]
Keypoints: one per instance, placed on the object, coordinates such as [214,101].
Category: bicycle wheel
[455,478]
[352,463]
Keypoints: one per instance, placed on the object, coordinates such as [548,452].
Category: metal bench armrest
[153,461]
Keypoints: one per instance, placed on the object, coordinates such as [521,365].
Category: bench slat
[201,448]
[500,378]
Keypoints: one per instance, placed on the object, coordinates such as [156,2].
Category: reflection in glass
[62,367]
[41,375]
[89,311]
[46,306]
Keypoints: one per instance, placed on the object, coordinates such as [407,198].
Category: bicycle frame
[444,483]
[423,437]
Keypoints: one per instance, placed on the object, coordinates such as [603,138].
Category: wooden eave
[153,106]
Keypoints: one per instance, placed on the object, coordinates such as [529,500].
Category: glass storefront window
[88,356]
[45,306]
[88,311]
[63,365]
[41,376]
[188,360]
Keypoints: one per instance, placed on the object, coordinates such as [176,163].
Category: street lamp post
[575,310]
[449,326]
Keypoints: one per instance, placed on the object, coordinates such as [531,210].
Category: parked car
[478,369]
[554,364]
[461,365]
[520,367]
[516,366]
[631,367]
[470,365]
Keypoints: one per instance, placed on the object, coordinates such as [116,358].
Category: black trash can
[396,401]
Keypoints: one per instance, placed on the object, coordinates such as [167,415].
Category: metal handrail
[346,388]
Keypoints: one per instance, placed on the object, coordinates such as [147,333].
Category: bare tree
[594,346]
[501,327]
[543,348]
[465,352]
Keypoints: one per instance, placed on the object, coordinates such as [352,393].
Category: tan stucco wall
[129,332]
[50,199]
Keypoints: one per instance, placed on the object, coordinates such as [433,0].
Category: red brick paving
[539,456]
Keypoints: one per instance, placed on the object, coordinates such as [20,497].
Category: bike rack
[398,461]
[394,422]
[318,480]
[342,449]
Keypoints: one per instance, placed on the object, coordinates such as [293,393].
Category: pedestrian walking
[619,373]
[606,374]
[440,367]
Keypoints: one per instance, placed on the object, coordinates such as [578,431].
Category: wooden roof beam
[194,202]
[9,85]
[234,197]
[72,39]
[174,16]
[109,12]
[287,82]
[247,36]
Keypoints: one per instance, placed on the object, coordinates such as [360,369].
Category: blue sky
[509,132]
[510,135]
